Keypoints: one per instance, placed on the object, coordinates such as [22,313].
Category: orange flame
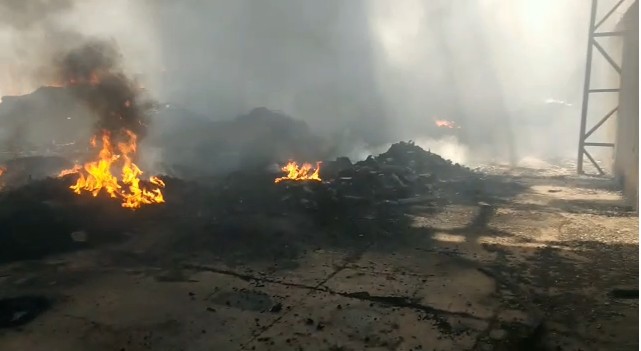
[73,170]
[96,176]
[300,173]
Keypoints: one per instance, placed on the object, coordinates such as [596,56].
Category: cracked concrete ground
[530,273]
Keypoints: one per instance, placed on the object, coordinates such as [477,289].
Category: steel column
[587,90]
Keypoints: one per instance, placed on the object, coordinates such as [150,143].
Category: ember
[300,173]
[96,175]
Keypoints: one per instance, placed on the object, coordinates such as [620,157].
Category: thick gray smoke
[34,34]
[30,36]
[312,60]
[57,43]
[361,73]
[373,72]
[93,74]
[27,14]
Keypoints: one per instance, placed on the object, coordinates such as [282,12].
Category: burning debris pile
[339,197]
[404,174]
[304,172]
[93,75]
[80,200]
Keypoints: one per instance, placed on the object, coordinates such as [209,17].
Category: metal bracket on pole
[587,90]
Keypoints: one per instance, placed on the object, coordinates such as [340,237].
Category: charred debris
[352,198]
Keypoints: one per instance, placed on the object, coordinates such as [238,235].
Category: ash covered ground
[402,250]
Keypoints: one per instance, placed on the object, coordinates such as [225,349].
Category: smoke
[24,15]
[95,77]
[63,43]
[31,35]
[448,147]
[34,34]
[382,72]
[363,73]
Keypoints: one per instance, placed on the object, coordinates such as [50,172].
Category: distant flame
[96,176]
[300,173]
[442,123]
[2,171]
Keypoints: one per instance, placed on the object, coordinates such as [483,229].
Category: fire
[442,123]
[96,176]
[2,170]
[73,170]
[300,173]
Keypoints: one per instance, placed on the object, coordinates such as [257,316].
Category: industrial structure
[626,143]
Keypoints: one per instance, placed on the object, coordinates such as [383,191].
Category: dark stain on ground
[17,311]
[244,300]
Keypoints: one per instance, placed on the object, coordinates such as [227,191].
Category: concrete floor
[538,271]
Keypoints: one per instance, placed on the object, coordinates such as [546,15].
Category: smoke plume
[93,72]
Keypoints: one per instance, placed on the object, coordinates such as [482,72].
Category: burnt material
[39,219]
[404,171]
[625,293]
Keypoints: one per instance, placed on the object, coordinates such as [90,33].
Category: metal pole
[586,89]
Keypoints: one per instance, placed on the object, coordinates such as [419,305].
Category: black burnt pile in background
[401,173]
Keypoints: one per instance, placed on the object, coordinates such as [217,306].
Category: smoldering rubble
[375,189]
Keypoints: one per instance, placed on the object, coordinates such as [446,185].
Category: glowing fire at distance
[300,173]
[96,176]
[2,170]
[442,123]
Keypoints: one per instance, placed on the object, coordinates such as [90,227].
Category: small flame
[74,170]
[442,123]
[96,176]
[300,173]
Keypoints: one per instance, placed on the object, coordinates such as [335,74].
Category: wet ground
[533,271]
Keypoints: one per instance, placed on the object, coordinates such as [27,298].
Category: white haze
[509,72]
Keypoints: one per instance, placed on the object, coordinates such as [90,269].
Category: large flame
[295,172]
[96,176]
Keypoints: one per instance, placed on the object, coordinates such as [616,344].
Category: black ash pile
[403,173]
[194,146]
